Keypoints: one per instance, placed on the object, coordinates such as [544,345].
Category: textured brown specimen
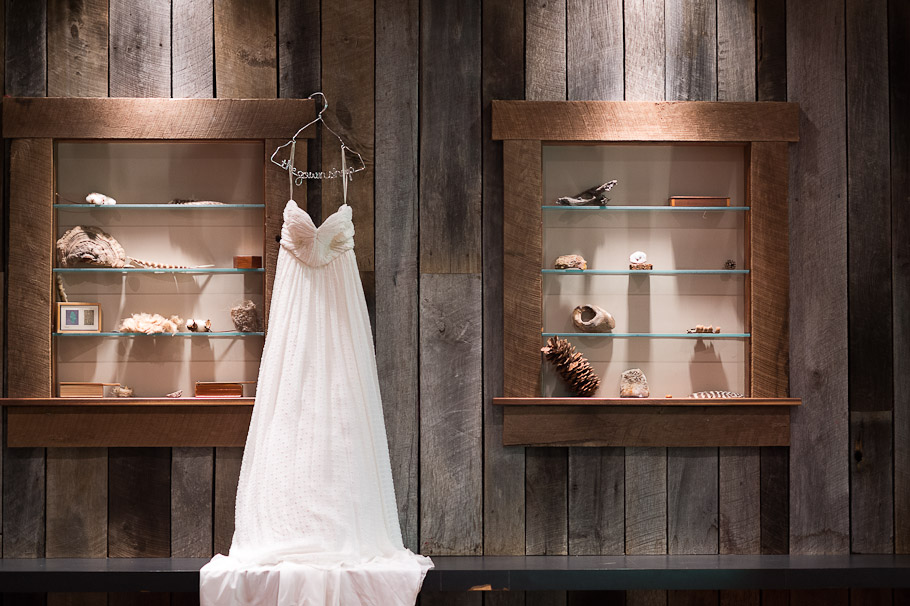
[347,80]
[191,502]
[227,475]
[77,502]
[137,422]
[594,50]
[545,49]
[140,49]
[451,505]
[819,484]
[139,511]
[156,118]
[574,368]
[245,62]
[192,37]
[647,426]
[503,25]
[450,137]
[77,49]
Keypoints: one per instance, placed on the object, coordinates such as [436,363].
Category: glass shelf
[144,270]
[650,208]
[154,206]
[159,334]
[653,335]
[653,272]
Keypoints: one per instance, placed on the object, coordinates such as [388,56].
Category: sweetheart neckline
[307,215]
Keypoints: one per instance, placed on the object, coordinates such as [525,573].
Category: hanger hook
[325,103]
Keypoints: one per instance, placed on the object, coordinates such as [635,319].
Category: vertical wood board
[193,39]
[25,50]
[740,501]
[646,501]
[546,516]
[736,50]
[76,503]
[139,511]
[77,48]
[227,476]
[594,50]
[692,499]
[645,50]
[192,474]
[140,49]
[596,501]
[691,39]
[771,50]
[871,483]
[245,49]
[545,50]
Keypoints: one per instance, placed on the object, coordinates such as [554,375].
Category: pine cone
[572,366]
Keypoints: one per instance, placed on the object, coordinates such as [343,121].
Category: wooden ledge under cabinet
[127,422]
[646,421]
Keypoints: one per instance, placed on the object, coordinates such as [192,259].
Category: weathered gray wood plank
[397,343]
[819,473]
[736,50]
[192,474]
[645,50]
[771,51]
[775,502]
[504,466]
[77,48]
[594,50]
[26,48]
[646,501]
[140,49]
[596,501]
[193,39]
[691,38]
[545,50]
[76,524]
[871,485]
[451,460]
[546,516]
[245,49]
[227,475]
[692,497]
[139,520]
[740,500]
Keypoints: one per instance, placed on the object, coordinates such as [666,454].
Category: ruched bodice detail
[313,245]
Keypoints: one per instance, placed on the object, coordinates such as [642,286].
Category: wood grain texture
[76,503]
[819,597]
[868,208]
[736,50]
[739,597]
[775,597]
[23,506]
[645,49]
[871,483]
[740,501]
[594,50]
[140,49]
[77,48]
[139,425]
[451,459]
[192,478]
[899,78]
[771,50]
[819,473]
[775,501]
[397,247]
[691,38]
[872,597]
[646,426]
[139,511]
[450,137]
[545,598]
[227,475]
[596,501]
[73,118]
[504,467]
[769,277]
[692,518]
[546,517]
[646,597]
[522,259]
[26,48]
[645,121]
[347,80]
[545,49]
[276,198]
[245,49]
[646,502]
[193,39]
[692,598]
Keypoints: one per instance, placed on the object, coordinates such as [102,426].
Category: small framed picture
[78,317]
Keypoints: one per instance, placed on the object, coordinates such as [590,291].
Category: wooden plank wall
[410,83]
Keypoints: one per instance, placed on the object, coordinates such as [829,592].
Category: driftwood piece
[593,196]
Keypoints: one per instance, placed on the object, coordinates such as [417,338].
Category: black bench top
[514,573]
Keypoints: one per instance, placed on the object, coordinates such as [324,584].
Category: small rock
[634,384]
[571,262]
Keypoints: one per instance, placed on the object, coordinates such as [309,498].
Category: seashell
[175,394]
[591,318]
[246,317]
[571,262]
[639,256]
[150,324]
[122,391]
[716,394]
[87,245]
[634,384]
[100,199]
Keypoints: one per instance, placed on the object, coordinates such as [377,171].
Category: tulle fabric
[316,522]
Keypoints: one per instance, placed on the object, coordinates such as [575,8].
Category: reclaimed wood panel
[76,503]
[740,597]
[646,426]
[347,79]
[899,79]
[139,520]
[646,504]
[25,48]
[871,483]
[450,137]
[736,50]
[77,48]
[594,53]
[503,25]
[397,247]
[546,487]
[451,433]
[771,50]
[193,40]
[819,478]
[74,118]
[691,38]
[645,56]
[227,476]
[645,121]
[140,49]
[596,501]
[740,501]
[646,597]
[775,500]
[545,49]
[692,598]
[692,495]
[245,49]
[819,597]
[192,487]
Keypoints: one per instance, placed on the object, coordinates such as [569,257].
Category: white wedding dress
[316,522]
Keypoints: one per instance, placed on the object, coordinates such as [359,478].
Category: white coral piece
[638,256]
[150,324]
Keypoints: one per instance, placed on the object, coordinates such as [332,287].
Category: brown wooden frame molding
[36,418]
[764,129]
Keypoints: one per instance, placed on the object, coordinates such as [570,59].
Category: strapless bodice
[313,245]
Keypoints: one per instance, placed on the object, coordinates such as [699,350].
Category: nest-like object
[246,317]
[574,368]
[150,324]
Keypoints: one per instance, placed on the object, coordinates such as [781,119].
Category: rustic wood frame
[765,129]
[35,418]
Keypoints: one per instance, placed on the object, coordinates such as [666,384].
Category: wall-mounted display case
[717,264]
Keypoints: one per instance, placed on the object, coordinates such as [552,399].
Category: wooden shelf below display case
[646,421]
[118,422]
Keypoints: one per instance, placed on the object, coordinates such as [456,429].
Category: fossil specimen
[122,391]
[87,245]
[591,318]
[594,196]
[634,384]
[571,262]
